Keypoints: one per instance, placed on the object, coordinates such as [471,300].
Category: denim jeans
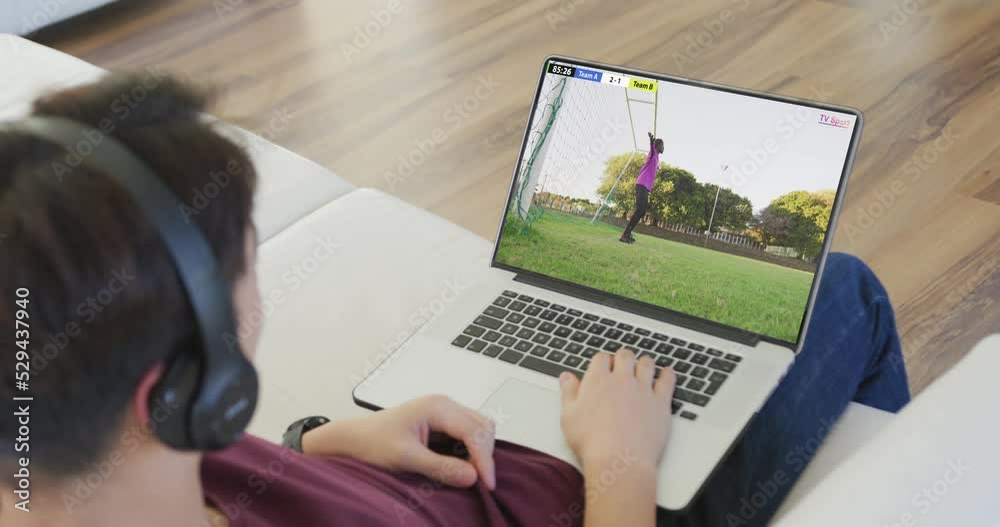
[852,353]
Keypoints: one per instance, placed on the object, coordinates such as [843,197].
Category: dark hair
[105,303]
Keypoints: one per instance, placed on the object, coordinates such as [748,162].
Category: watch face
[314,422]
[292,438]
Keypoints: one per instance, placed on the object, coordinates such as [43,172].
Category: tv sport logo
[833,120]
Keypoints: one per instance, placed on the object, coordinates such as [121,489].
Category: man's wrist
[293,436]
[626,489]
[332,439]
[619,463]
[321,441]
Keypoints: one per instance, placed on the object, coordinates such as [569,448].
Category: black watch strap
[293,436]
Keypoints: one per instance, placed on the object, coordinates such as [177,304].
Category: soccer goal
[577,127]
[641,114]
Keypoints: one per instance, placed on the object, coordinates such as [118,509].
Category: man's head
[105,305]
[659,145]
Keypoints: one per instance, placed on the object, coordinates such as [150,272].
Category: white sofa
[347,274]
[21,17]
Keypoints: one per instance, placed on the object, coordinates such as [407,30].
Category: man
[643,186]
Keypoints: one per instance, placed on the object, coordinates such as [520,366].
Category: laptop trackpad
[528,415]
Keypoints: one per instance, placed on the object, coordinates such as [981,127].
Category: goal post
[635,142]
[577,127]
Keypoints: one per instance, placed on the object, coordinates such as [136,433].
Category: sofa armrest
[852,431]
[22,17]
[935,463]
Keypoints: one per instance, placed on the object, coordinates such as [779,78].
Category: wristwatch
[293,436]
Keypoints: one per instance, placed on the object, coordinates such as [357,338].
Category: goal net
[577,127]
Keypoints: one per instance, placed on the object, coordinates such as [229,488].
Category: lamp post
[718,189]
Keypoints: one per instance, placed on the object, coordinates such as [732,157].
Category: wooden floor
[923,204]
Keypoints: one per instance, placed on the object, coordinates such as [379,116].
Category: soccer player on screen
[643,186]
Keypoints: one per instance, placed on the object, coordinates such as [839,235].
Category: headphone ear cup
[171,400]
[224,408]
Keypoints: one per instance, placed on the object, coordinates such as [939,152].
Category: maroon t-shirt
[255,482]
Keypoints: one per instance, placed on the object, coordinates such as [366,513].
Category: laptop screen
[707,201]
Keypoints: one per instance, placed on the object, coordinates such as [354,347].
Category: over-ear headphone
[207,394]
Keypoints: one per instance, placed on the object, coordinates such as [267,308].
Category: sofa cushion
[341,289]
[290,185]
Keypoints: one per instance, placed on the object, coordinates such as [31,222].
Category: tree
[733,212]
[797,219]
[677,197]
[622,202]
[687,200]
[770,226]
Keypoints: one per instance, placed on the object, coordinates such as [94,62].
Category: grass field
[742,292]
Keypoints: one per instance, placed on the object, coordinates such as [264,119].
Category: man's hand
[650,134]
[617,409]
[397,438]
[616,421]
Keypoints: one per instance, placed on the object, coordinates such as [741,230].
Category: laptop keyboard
[549,338]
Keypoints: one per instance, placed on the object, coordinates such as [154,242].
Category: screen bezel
[671,315]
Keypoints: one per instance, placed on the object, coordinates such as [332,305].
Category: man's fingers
[481,451]
[624,362]
[599,363]
[449,470]
[665,383]
[644,370]
[569,384]
[472,429]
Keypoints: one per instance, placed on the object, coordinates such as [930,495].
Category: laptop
[716,280]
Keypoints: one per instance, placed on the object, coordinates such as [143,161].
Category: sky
[701,129]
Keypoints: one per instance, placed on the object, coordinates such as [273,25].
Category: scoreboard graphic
[603,77]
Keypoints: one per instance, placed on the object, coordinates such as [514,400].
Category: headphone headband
[215,389]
